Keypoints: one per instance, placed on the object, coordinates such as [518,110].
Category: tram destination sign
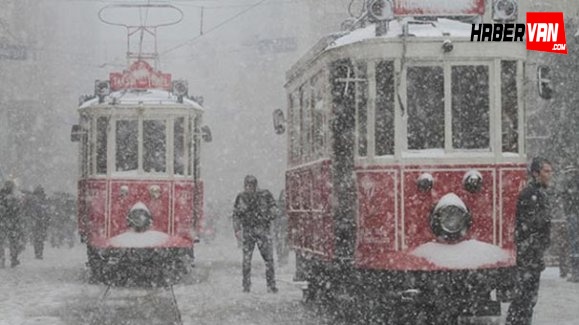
[439,7]
[13,52]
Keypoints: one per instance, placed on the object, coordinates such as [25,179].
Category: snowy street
[55,291]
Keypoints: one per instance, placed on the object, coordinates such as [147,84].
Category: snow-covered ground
[54,291]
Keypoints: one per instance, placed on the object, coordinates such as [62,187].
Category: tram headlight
[139,217]
[425,182]
[155,191]
[472,181]
[505,10]
[450,219]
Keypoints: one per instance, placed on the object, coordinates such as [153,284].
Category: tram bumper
[465,291]
[144,256]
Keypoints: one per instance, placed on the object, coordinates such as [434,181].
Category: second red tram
[406,156]
[140,193]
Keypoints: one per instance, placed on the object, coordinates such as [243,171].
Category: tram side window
[425,101]
[318,116]
[510,106]
[470,107]
[307,122]
[196,148]
[101,145]
[384,124]
[362,108]
[84,148]
[127,142]
[155,146]
[294,129]
[179,156]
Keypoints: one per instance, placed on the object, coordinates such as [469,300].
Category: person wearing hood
[532,238]
[253,212]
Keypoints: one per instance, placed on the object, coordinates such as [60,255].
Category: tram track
[153,293]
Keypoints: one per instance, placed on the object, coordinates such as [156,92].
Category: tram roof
[151,97]
[418,31]
[437,28]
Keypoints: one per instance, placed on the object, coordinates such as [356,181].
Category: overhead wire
[214,27]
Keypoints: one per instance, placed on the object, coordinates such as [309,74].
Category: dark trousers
[38,247]
[12,239]
[526,295]
[264,244]
[39,235]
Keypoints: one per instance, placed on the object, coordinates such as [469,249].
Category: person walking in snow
[10,224]
[38,213]
[532,238]
[253,212]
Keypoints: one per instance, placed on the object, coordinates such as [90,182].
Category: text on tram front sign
[439,7]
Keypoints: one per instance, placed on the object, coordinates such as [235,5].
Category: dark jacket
[9,211]
[533,226]
[38,212]
[254,211]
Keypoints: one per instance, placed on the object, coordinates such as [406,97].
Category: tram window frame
[136,155]
[307,110]
[457,110]
[510,132]
[410,109]
[85,156]
[449,147]
[319,116]
[294,130]
[302,149]
[384,109]
[180,154]
[196,149]
[159,164]
[362,109]
[101,144]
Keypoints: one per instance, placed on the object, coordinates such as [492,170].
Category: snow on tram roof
[438,28]
[145,96]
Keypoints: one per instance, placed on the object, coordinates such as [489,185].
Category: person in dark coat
[38,213]
[532,238]
[253,213]
[10,224]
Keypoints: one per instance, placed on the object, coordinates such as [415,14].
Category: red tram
[406,155]
[140,194]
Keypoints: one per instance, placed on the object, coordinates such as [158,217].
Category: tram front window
[470,107]
[127,143]
[425,93]
[101,145]
[154,146]
[179,140]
